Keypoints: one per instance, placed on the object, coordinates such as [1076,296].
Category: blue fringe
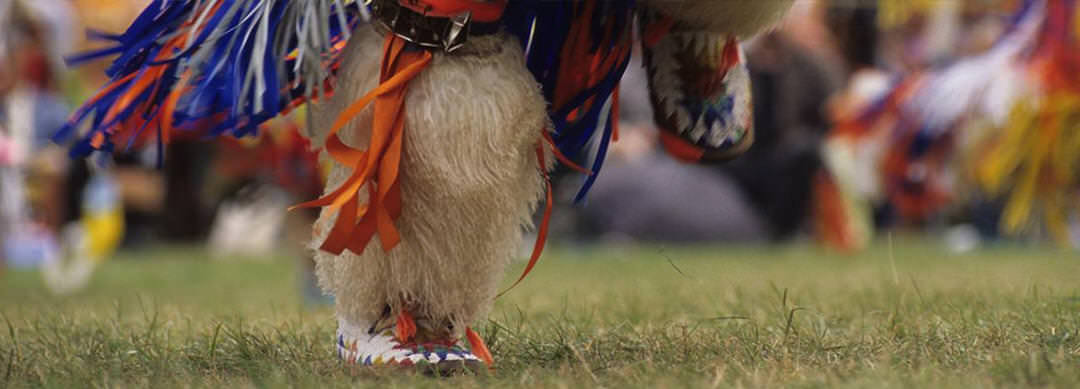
[552,21]
[218,81]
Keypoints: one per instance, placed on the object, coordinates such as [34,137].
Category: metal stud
[457,31]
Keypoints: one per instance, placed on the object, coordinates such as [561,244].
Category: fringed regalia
[441,119]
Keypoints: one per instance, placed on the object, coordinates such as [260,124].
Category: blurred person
[12,203]
[35,232]
[89,241]
[31,41]
[448,164]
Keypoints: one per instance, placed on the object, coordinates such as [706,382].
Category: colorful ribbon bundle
[223,67]
[212,66]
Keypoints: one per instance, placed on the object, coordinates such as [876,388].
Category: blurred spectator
[31,40]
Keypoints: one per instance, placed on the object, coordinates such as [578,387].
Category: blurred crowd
[871,116]
[824,65]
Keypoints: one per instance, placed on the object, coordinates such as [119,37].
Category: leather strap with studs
[427,30]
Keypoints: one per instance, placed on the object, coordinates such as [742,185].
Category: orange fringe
[127,131]
[378,167]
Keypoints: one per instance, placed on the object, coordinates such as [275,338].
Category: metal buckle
[447,34]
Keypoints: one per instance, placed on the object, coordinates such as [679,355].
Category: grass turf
[909,316]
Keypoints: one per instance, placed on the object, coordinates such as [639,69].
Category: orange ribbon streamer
[379,166]
[542,232]
[478,347]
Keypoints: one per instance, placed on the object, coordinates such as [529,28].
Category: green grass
[912,316]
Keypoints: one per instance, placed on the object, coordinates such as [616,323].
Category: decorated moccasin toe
[418,344]
[700,90]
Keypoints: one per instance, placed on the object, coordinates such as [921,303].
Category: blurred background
[953,121]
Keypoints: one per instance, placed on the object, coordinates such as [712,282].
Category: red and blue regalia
[441,119]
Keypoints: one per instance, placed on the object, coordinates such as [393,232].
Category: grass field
[909,316]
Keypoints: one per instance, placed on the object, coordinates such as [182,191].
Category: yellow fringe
[1034,162]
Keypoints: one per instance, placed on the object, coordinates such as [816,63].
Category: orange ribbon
[478,347]
[379,166]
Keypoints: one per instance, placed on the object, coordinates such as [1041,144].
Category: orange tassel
[479,348]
